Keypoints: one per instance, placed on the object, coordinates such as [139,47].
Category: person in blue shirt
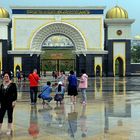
[72,87]
[59,92]
[46,93]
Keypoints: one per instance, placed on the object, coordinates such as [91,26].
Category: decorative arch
[98,70]
[119,66]
[58,28]
[17,67]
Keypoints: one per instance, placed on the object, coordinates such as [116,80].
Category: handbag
[39,96]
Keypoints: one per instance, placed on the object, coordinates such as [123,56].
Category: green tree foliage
[135,54]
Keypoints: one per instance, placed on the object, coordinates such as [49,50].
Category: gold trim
[0,65]
[95,68]
[53,20]
[79,31]
[1,56]
[101,31]
[114,86]
[124,85]
[34,18]
[124,64]
[54,23]
[19,64]
[15,65]
[35,32]
[100,88]
[14,28]
[79,18]
[120,55]
[101,38]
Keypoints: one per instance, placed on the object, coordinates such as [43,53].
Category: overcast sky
[131,6]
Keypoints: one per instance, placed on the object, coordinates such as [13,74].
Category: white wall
[126,32]
[91,27]
[3,32]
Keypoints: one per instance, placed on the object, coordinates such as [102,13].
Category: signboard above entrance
[57,11]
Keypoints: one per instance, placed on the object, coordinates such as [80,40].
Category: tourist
[62,78]
[72,87]
[59,92]
[45,94]
[34,81]
[83,84]
[18,74]
[8,97]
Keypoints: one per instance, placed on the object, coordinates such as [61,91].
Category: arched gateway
[56,61]
[49,37]
[58,28]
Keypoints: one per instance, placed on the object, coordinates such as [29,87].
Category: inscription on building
[62,12]
[58,11]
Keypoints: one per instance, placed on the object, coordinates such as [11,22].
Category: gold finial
[117,12]
[3,13]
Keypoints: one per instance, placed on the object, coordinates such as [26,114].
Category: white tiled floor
[112,113]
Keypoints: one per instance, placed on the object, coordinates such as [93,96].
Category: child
[59,93]
[46,91]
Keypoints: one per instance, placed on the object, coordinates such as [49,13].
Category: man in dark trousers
[34,80]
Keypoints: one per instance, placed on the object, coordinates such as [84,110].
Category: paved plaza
[112,113]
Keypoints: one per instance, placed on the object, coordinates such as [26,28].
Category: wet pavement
[112,113]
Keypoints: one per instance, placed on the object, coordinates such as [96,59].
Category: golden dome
[3,13]
[117,12]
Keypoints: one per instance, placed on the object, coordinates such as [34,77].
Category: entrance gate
[57,64]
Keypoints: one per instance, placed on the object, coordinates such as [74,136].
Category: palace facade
[56,38]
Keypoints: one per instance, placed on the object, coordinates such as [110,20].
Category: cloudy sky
[132,6]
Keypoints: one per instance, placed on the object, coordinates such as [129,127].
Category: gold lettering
[66,12]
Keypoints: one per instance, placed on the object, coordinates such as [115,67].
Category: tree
[135,54]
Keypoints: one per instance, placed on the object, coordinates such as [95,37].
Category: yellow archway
[119,66]
[98,70]
[0,66]
[17,68]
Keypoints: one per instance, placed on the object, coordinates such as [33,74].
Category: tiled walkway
[112,113]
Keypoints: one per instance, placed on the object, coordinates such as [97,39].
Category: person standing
[8,97]
[83,84]
[18,75]
[62,78]
[72,87]
[34,81]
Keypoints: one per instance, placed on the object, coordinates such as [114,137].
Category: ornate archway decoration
[58,28]
[121,60]
[100,70]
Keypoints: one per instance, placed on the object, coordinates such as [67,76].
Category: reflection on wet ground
[112,113]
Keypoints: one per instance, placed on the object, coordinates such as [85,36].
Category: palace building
[66,38]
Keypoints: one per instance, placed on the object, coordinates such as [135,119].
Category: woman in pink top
[83,84]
